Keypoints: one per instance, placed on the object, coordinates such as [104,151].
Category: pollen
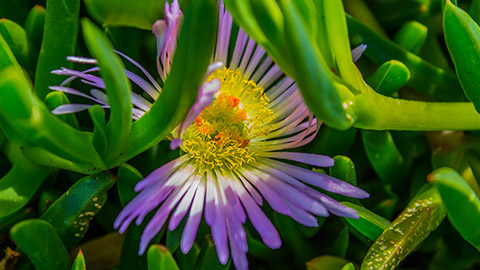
[230,131]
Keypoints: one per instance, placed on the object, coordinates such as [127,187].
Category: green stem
[377,112]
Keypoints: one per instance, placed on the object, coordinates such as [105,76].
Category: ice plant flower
[233,140]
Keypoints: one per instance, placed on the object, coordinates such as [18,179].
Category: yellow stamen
[223,135]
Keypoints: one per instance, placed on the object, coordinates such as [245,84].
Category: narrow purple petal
[70,108]
[158,220]
[238,50]
[82,60]
[358,52]
[160,173]
[246,55]
[272,198]
[307,158]
[144,85]
[260,222]
[292,194]
[184,205]
[323,181]
[193,221]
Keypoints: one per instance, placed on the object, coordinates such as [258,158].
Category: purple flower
[233,140]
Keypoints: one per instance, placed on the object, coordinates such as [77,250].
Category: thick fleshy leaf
[337,36]
[462,35]
[71,213]
[159,258]
[19,185]
[385,157]
[326,262]
[425,77]
[37,238]
[422,215]
[27,122]
[311,72]
[394,13]
[17,40]
[463,205]
[100,140]
[193,54]
[34,26]
[7,58]
[389,77]
[46,199]
[58,98]
[79,263]
[128,177]
[102,252]
[208,259]
[369,224]
[59,41]
[117,87]
[126,13]
[411,36]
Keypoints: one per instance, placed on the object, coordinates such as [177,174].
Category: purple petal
[272,198]
[358,51]
[160,173]
[323,181]
[184,205]
[194,218]
[82,60]
[260,222]
[70,108]
[307,158]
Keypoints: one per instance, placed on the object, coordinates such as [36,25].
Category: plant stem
[376,112]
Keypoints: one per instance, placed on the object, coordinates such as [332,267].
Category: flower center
[229,131]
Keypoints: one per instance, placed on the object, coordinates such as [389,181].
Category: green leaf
[337,37]
[411,36]
[34,26]
[187,261]
[128,177]
[311,72]
[100,140]
[423,215]
[71,213]
[19,185]
[38,240]
[46,199]
[270,19]
[117,87]
[27,122]
[348,266]
[125,12]
[16,38]
[463,205]
[193,54]
[58,98]
[59,41]
[394,13]
[462,35]
[389,77]
[159,258]
[79,263]
[385,157]
[344,169]
[208,259]
[425,77]
[7,58]
[340,245]
[369,224]
[326,262]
